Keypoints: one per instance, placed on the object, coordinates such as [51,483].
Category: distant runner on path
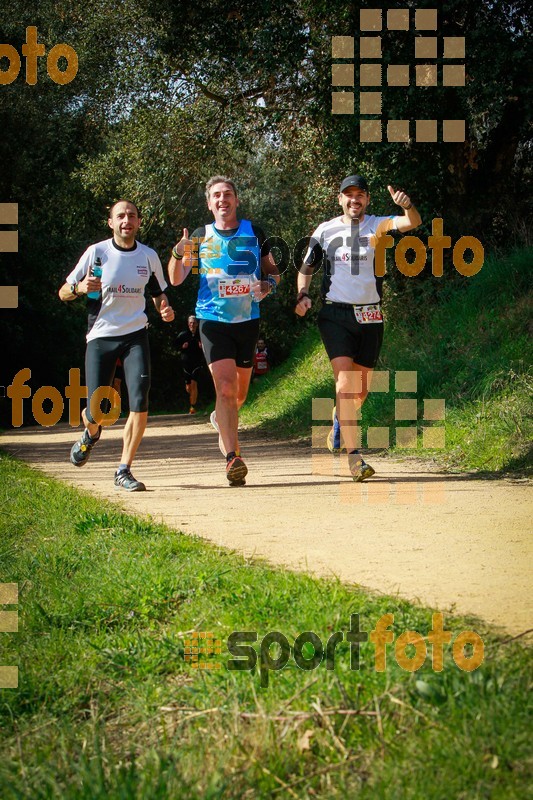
[236,271]
[118,329]
[350,320]
[192,357]
[261,363]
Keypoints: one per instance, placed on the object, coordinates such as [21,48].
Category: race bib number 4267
[234,287]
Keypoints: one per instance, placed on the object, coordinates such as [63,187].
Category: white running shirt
[349,275]
[125,274]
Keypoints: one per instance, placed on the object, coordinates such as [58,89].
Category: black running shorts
[235,340]
[100,361]
[192,373]
[344,336]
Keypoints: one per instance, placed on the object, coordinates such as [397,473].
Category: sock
[123,467]
[230,456]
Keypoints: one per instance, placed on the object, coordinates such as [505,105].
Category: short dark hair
[219,179]
[124,200]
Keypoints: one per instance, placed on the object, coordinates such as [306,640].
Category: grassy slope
[107,708]
[470,346]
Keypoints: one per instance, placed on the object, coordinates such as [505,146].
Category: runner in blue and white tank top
[230,264]
[236,271]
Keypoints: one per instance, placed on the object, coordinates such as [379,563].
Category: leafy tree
[171,92]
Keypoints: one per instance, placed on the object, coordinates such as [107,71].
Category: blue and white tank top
[227,266]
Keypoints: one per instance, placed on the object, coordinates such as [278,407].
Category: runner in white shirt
[117,328]
[350,320]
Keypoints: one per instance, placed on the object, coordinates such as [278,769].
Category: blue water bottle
[96,271]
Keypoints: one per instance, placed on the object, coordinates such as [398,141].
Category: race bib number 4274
[235,287]
[366,314]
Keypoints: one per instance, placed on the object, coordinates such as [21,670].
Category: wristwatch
[74,289]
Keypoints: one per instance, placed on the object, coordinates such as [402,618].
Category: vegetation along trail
[457,542]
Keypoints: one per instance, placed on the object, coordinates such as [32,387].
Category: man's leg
[100,360]
[352,383]
[350,344]
[133,434]
[92,427]
[188,386]
[193,393]
[244,375]
[351,388]
[231,384]
[100,367]
[226,379]
[136,365]
[226,346]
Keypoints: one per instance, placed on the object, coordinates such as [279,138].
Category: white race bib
[233,287]
[366,314]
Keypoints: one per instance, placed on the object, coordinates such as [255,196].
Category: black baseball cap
[354,180]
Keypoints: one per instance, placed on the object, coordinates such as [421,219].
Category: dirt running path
[451,542]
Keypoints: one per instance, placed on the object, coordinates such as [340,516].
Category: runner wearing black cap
[350,320]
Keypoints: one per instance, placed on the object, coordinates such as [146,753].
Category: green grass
[108,708]
[469,344]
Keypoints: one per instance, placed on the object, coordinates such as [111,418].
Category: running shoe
[213,421]
[359,468]
[125,480]
[333,440]
[81,450]
[236,471]
[192,410]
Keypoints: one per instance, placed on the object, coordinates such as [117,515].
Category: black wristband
[301,295]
